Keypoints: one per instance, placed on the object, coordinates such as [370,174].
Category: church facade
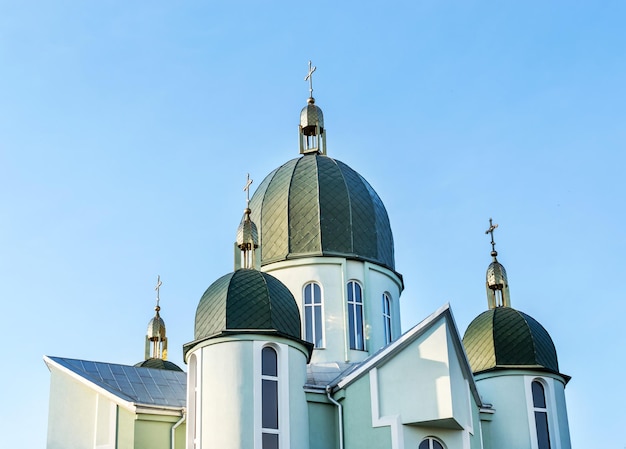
[300,346]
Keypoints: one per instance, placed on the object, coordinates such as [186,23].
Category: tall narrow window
[269,398]
[541,415]
[313,314]
[355,316]
[387,318]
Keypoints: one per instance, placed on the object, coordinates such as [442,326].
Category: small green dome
[158,364]
[318,206]
[507,338]
[247,300]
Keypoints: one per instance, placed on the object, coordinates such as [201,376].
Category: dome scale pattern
[317,206]
[507,338]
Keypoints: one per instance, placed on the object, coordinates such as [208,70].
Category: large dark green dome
[503,338]
[318,206]
[247,300]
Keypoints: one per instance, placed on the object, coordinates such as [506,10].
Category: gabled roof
[383,355]
[134,386]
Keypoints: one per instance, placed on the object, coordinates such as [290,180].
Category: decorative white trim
[394,422]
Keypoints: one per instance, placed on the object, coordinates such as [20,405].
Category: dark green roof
[507,338]
[158,364]
[247,300]
[317,206]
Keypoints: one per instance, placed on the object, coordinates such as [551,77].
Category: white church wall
[558,426]
[225,373]
[330,274]
[462,400]
[333,274]
[228,412]
[377,281]
[425,394]
[513,421]
[72,413]
[509,426]
[558,392]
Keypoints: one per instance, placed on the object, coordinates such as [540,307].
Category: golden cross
[492,228]
[309,78]
[157,288]
[246,189]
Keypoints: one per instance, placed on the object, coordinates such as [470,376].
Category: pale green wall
[509,427]
[563,422]
[418,375]
[230,391]
[154,431]
[72,413]
[323,432]
[357,412]
[227,391]
[125,429]
[424,384]
[298,410]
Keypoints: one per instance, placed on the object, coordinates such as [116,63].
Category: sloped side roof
[348,374]
[141,386]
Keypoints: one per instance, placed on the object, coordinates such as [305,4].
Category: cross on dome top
[492,228]
[309,78]
[246,189]
[157,288]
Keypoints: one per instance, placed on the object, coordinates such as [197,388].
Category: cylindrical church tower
[515,365]
[247,365]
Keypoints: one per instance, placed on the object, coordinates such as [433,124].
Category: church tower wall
[333,274]
[227,392]
[514,423]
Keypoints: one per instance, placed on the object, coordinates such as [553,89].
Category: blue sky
[127,130]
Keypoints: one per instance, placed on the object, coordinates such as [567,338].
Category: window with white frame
[541,415]
[355,316]
[430,443]
[313,321]
[387,318]
[269,398]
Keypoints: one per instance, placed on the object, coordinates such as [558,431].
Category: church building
[300,347]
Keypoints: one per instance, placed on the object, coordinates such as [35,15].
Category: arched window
[269,398]
[541,415]
[387,318]
[355,316]
[313,314]
[430,443]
